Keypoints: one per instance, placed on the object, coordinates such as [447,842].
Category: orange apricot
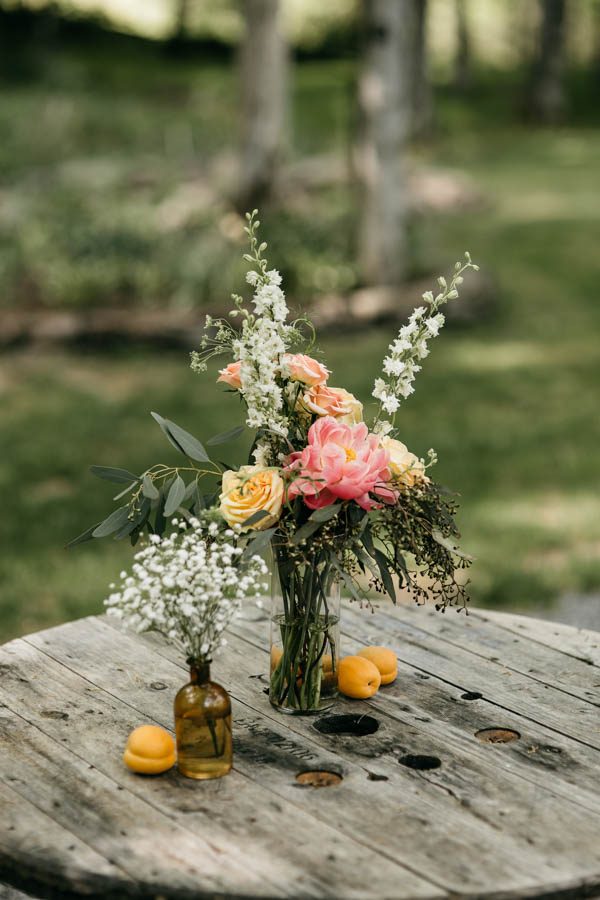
[358,677]
[276,654]
[385,660]
[150,750]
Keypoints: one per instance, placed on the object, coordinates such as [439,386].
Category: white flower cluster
[262,341]
[401,365]
[188,586]
[262,454]
[269,299]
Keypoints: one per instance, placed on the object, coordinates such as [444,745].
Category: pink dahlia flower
[340,462]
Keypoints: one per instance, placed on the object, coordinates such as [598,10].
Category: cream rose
[329,401]
[231,375]
[250,490]
[406,468]
[303,368]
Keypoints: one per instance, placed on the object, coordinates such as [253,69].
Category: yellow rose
[331,401]
[406,468]
[250,490]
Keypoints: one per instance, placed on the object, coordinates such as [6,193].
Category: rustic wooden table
[476,773]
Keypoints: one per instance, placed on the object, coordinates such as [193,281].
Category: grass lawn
[510,404]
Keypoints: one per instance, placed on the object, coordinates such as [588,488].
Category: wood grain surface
[425,803]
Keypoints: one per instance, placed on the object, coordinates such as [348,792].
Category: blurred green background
[119,135]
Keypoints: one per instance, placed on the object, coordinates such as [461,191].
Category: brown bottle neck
[199,671]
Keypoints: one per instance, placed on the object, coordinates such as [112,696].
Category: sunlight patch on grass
[538,205]
[498,356]
[561,513]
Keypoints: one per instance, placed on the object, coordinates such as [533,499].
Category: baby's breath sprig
[188,585]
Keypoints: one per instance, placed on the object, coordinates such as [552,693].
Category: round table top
[475,773]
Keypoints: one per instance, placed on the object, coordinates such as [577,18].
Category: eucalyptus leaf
[109,473]
[345,578]
[305,531]
[175,496]
[149,489]
[260,542]
[162,423]
[388,582]
[367,539]
[225,436]
[112,523]
[450,545]
[126,530]
[365,559]
[182,440]
[191,446]
[325,513]
[255,517]
[190,490]
[86,535]
[160,519]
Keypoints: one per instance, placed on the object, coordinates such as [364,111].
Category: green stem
[305,633]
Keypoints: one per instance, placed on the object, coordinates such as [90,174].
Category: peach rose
[330,401]
[303,368]
[231,375]
[250,490]
[406,468]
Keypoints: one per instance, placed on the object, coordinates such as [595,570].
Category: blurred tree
[422,101]
[462,60]
[547,99]
[181,20]
[385,117]
[263,64]
[596,38]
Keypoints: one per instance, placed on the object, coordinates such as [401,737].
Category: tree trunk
[384,99]
[596,37]
[547,99]
[422,103]
[462,62]
[181,17]
[263,67]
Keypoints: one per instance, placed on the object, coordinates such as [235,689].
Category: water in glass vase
[305,636]
[203,726]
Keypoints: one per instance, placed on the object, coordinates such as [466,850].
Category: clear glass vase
[203,725]
[305,634]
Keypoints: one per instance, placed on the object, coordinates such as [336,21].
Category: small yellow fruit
[385,660]
[150,750]
[276,654]
[358,677]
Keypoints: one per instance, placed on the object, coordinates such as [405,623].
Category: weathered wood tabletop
[430,804]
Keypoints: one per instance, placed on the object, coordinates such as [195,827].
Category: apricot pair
[360,676]
[150,750]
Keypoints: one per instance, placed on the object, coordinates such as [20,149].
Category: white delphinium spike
[260,341]
[401,365]
[263,339]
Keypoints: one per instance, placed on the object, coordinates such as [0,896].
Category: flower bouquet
[334,503]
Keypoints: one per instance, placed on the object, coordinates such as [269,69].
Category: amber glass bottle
[203,725]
